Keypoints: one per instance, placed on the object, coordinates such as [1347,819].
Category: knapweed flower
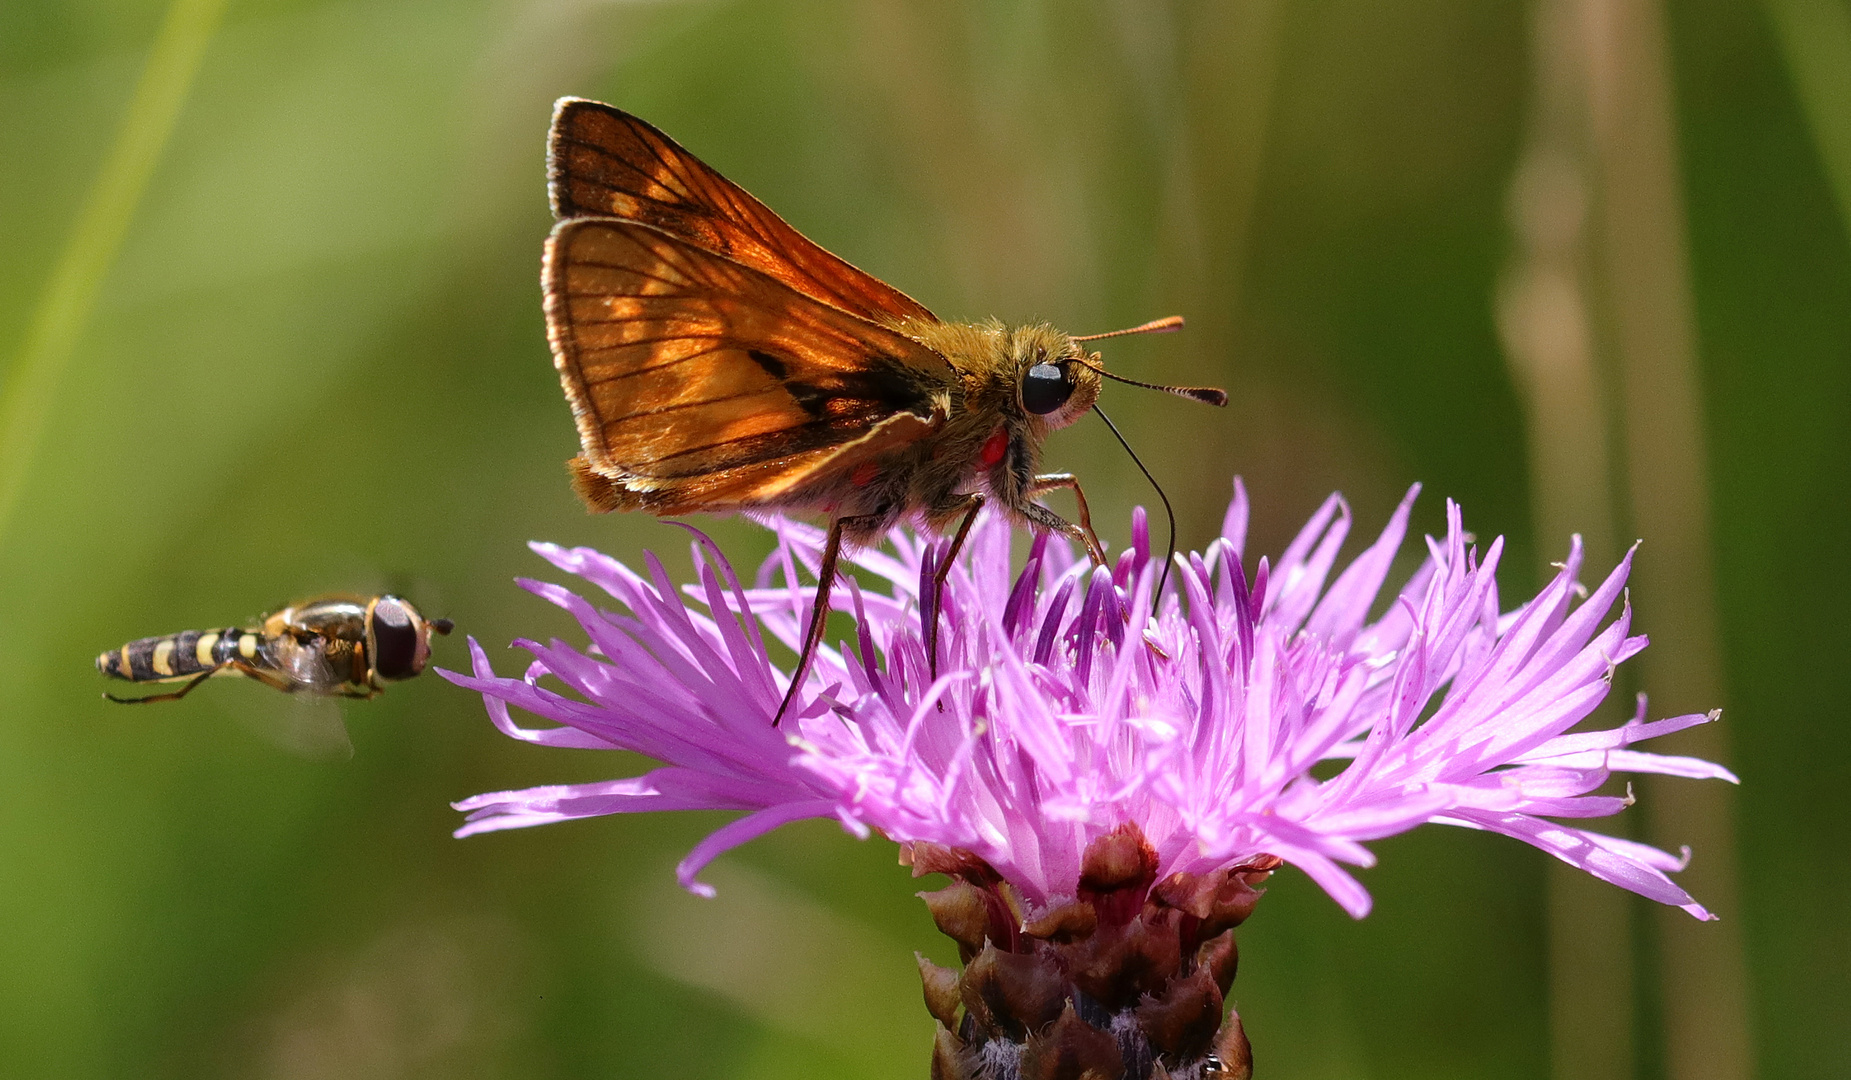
[1106,787]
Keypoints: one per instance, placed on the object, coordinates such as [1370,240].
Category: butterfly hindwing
[603,162]
[703,380]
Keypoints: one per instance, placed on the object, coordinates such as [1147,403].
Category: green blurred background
[314,360]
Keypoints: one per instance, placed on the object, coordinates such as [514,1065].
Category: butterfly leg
[819,614]
[1053,522]
[175,695]
[970,503]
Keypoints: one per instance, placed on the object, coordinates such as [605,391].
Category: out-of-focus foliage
[318,363]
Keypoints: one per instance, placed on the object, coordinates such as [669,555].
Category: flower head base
[1061,712]
[1127,979]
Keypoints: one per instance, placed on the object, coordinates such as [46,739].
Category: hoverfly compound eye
[1046,388]
[394,627]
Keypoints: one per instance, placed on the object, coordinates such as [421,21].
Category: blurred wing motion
[603,162]
[700,383]
[310,726]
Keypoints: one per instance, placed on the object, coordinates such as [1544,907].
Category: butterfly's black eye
[1045,388]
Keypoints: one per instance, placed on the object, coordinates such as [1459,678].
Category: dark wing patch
[603,162]
[691,372]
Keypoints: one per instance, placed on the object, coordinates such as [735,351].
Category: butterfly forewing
[603,162]
[685,367]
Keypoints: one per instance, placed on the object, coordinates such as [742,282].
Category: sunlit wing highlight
[603,162]
[686,368]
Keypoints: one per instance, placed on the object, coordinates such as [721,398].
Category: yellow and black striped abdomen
[179,656]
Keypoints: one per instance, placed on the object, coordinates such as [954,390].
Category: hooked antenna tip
[1156,326]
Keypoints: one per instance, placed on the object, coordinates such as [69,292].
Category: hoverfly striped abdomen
[177,656]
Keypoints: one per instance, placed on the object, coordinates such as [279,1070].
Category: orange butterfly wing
[700,383]
[603,162]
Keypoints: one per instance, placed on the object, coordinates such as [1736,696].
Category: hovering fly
[332,646]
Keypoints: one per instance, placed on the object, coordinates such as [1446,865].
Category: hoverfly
[332,646]
[716,359]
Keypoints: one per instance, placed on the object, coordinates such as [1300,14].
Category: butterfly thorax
[989,442]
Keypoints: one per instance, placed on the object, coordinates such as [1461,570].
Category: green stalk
[71,293]
[1815,36]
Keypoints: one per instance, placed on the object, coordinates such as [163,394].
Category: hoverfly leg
[1082,532]
[173,696]
[819,614]
[973,502]
[269,678]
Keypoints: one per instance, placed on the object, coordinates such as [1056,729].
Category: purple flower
[1061,712]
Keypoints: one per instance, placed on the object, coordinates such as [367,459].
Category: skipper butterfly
[716,359]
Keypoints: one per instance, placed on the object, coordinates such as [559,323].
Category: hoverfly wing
[702,382]
[304,662]
[304,725]
[309,723]
[315,728]
[603,162]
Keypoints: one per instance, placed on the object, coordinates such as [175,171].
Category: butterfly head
[1055,378]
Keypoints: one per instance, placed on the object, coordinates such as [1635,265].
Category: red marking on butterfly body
[995,447]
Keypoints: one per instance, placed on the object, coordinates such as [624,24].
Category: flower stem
[71,293]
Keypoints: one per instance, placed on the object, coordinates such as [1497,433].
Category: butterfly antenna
[1168,512]
[1155,326]
[1207,395]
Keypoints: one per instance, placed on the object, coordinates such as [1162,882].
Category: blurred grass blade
[1703,974]
[1815,36]
[1545,317]
[70,295]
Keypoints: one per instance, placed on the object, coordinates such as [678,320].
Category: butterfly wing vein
[603,162]
[707,382]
